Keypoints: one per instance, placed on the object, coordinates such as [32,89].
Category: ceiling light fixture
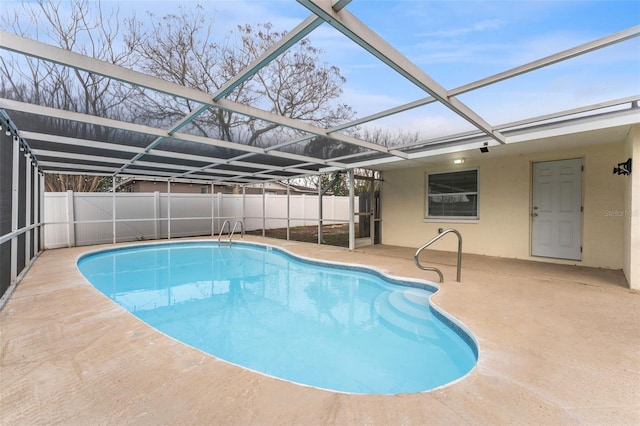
[458,160]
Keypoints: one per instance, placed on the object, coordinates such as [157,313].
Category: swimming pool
[337,327]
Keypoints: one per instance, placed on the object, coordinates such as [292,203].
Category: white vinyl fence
[87,218]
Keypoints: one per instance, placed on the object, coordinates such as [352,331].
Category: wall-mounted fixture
[458,161]
[623,168]
[484,148]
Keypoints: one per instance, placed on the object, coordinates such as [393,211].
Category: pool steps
[409,307]
[406,310]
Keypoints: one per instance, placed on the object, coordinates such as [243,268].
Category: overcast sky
[457,42]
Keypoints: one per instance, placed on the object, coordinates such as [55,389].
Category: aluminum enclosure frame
[125,160]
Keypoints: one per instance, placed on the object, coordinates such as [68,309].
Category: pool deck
[558,345]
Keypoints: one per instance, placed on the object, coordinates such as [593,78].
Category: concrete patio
[558,345]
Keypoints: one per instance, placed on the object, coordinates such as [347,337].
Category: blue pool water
[342,328]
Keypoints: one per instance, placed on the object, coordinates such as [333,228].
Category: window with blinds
[452,195]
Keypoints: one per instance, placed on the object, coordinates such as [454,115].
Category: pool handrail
[222,228]
[433,240]
[234,230]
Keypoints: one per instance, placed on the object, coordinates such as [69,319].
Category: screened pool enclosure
[39,139]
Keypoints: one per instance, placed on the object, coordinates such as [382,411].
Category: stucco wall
[632,211]
[505,202]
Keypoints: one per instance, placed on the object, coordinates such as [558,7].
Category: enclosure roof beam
[514,72]
[243,180]
[74,173]
[359,33]
[65,140]
[290,142]
[285,43]
[28,135]
[539,120]
[340,4]
[120,125]
[166,166]
[76,156]
[231,173]
[211,168]
[138,128]
[292,37]
[75,166]
[233,180]
[473,140]
[64,57]
[600,43]
[109,171]
[292,169]
[157,141]
[593,107]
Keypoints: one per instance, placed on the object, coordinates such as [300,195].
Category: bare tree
[328,148]
[78,183]
[390,138]
[88,30]
[180,48]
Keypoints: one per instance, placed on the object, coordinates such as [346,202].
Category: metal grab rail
[232,230]
[433,240]
[226,222]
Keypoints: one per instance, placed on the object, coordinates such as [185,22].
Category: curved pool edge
[450,320]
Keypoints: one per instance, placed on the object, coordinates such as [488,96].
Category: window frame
[465,219]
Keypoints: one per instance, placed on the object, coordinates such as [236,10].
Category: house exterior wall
[178,188]
[632,210]
[504,224]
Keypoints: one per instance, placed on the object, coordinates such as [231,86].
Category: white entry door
[557,209]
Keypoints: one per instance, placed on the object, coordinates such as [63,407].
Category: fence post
[15,211]
[264,210]
[114,225]
[41,213]
[244,204]
[156,214]
[169,209]
[213,209]
[28,208]
[352,225]
[71,218]
[36,211]
[333,209]
[219,198]
[320,194]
